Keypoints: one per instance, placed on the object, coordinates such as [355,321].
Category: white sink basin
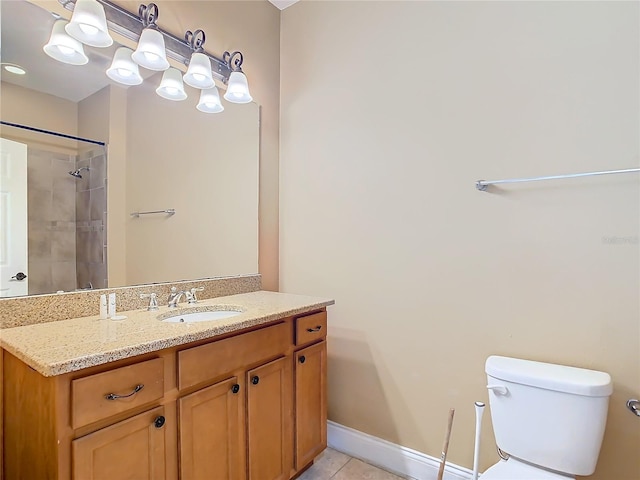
[201,316]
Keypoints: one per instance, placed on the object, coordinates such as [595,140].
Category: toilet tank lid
[559,378]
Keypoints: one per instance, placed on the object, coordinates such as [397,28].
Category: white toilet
[548,419]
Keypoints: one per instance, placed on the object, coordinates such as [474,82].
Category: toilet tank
[549,415]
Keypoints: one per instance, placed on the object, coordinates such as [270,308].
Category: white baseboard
[390,456]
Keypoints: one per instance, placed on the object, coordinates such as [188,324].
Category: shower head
[76,173]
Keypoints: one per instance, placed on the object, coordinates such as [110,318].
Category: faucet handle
[193,298]
[153,300]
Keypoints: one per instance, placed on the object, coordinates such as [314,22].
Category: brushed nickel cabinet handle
[115,396]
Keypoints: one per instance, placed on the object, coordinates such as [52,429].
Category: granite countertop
[65,346]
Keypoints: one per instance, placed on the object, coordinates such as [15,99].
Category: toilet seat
[513,469]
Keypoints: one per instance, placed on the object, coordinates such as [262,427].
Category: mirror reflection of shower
[76,173]
[66,240]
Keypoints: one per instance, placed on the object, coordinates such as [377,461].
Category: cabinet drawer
[105,394]
[206,362]
[311,327]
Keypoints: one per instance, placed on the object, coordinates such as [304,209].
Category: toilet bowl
[548,419]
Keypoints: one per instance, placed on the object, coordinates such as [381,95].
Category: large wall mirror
[76,224]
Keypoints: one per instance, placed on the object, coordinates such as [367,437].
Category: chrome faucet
[190,295]
[175,296]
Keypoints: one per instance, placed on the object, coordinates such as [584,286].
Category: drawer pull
[159,421]
[115,396]
[302,359]
[235,388]
[317,329]
[255,380]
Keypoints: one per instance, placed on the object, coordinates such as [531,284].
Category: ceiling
[282,4]
[44,74]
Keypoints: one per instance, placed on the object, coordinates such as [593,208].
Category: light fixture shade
[89,24]
[171,86]
[123,69]
[238,89]
[151,53]
[199,72]
[64,48]
[210,101]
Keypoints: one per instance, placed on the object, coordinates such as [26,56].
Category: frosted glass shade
[199,72]
[123,69]
[238,89]
[89,24]
[171,86]
[151,53]
[64,48]
[210,101]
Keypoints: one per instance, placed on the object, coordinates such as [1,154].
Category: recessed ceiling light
[16,69]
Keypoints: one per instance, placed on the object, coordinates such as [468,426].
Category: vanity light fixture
[123,69]
[64,48]
[171,86]
[151,52]
[199,72]
[210,101]
[155,46]
[89,24]
[238,88]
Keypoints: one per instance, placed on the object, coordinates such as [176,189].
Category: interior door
[13,219]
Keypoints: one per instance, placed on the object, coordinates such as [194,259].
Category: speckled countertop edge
[65,346]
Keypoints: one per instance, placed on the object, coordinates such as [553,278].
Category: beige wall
[390,112]
[27,107]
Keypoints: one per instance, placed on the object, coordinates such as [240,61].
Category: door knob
[19,276]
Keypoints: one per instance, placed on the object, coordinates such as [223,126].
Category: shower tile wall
[91,207]
[52,221]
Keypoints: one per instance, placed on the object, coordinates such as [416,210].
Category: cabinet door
[210,433]
[133,448]
[311,402]
[269,432]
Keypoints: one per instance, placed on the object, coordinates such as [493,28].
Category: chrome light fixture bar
[130,26]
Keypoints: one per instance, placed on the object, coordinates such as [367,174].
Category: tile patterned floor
[334,465]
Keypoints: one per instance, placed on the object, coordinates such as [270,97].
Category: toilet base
[513,469]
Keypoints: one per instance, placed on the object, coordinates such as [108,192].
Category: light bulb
[199,72]
[89,24]
[210,101]
[171,86]
[64,48]
[237,88]
[150,52]
[123,69]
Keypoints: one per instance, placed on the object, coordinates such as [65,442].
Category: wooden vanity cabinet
[252,407]
[310,387]
[211,439]
[243,406]
[133,448]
